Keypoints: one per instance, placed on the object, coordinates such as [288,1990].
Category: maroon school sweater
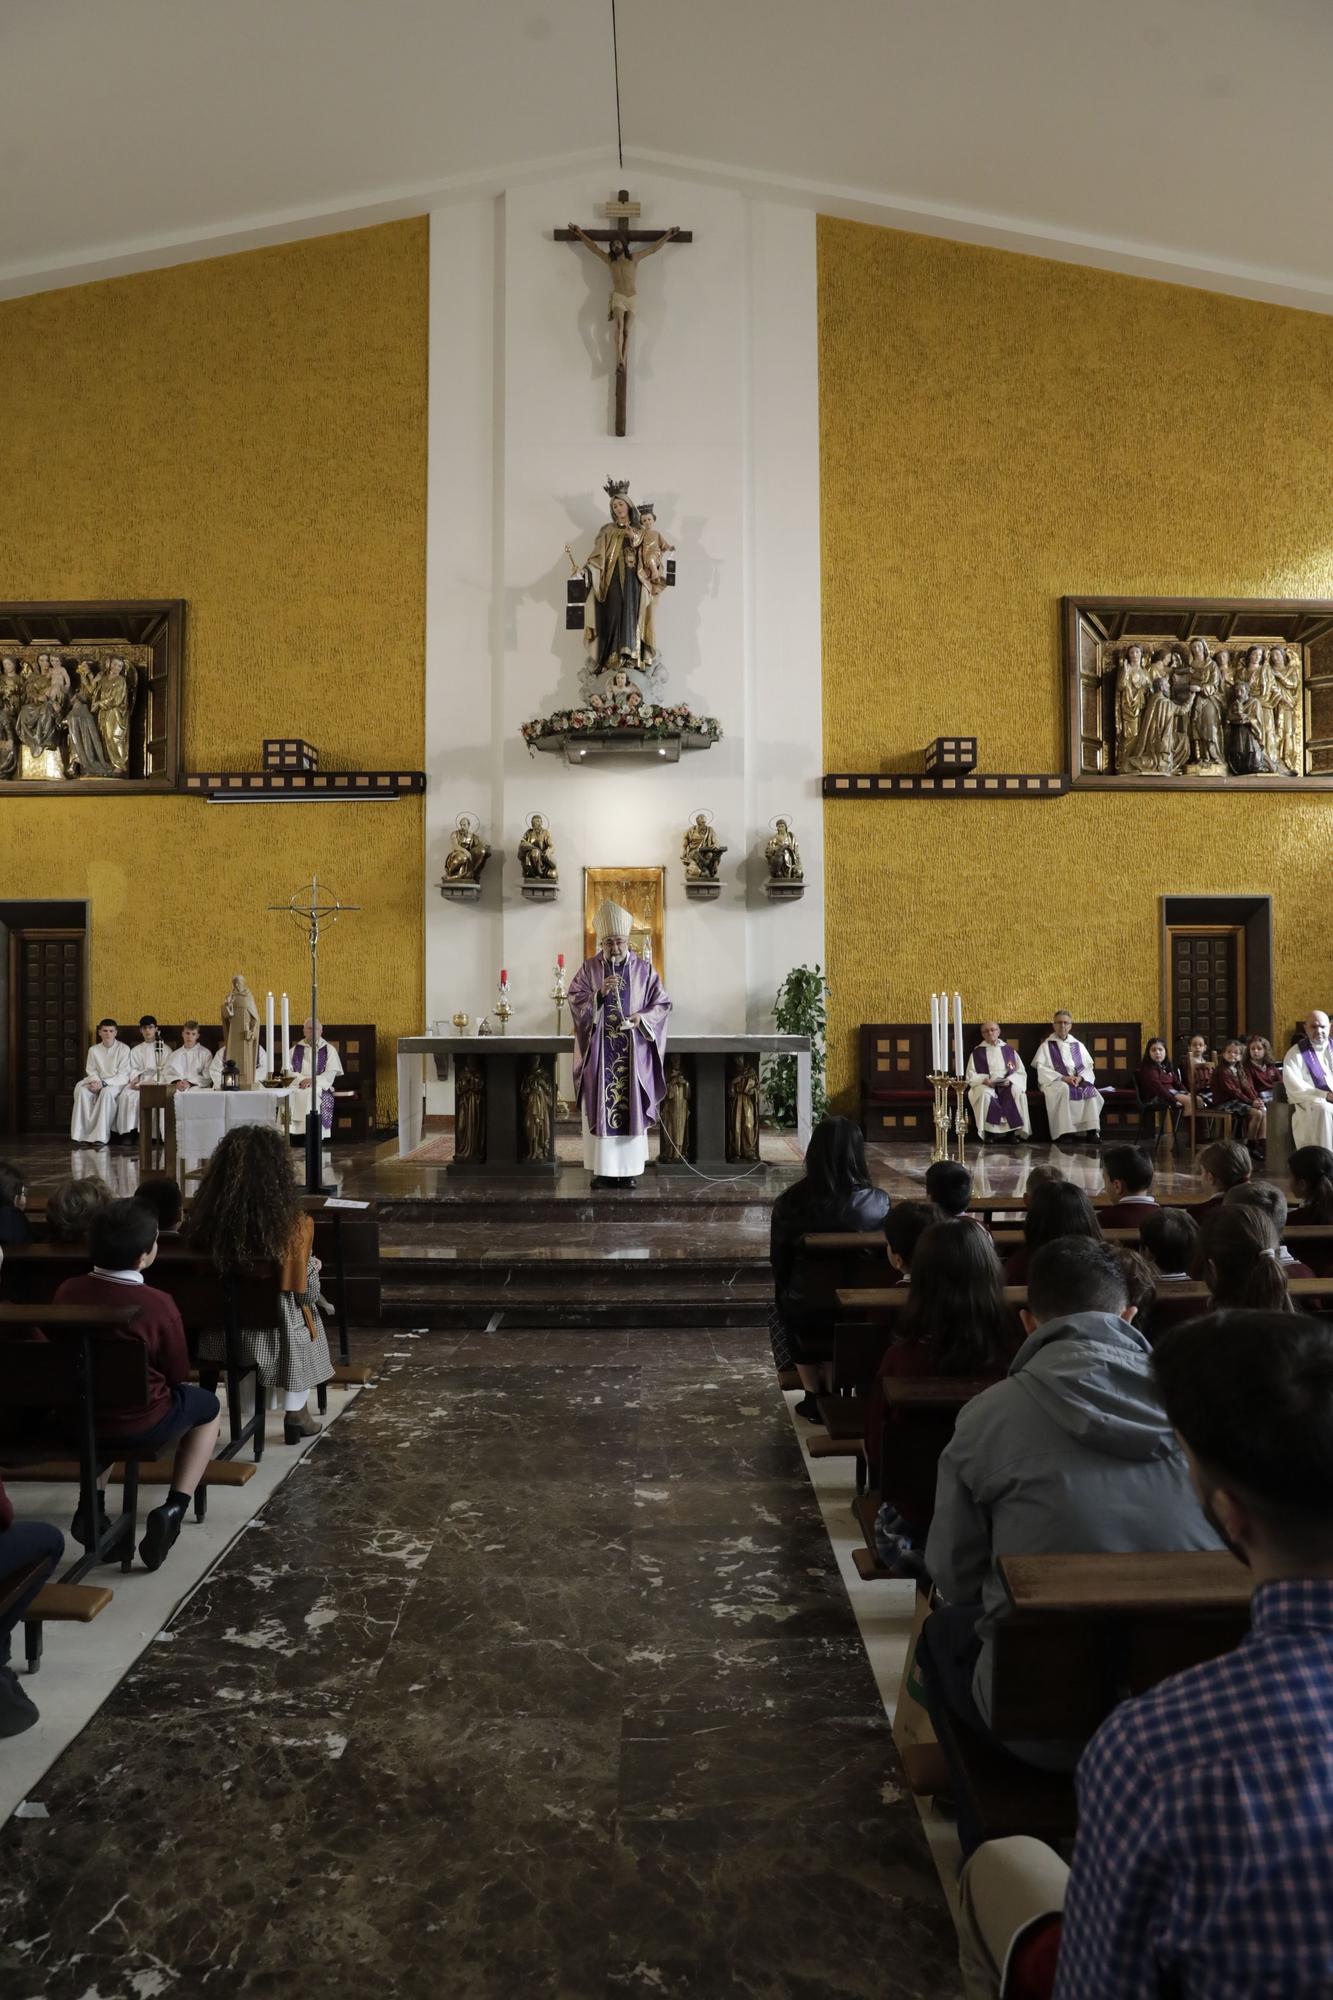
[158,1326]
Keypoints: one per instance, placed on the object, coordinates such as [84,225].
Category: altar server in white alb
[215,1066]
[1307,1076]
[327,1066]
[1067,1082]
[148,1063]
[99,1088]
[188,1067]
[997,1087]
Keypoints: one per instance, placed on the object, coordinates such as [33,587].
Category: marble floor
[538,1675]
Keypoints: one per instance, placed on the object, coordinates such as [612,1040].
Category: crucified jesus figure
[623,266]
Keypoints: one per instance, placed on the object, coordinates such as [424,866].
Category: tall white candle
[268,1031]
[958,1034]
[286,1036]
[934,1033]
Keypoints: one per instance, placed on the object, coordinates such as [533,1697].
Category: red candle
[504,977]
[560,960]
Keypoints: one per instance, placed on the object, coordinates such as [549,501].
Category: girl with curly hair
[248,1210]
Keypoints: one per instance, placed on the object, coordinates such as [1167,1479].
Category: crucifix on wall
[622,262]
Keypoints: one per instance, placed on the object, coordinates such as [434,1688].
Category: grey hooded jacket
[1070,1455]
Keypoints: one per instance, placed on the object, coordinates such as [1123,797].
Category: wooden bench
[1085,1632]
[82,1367]
[60,1604]
[897,1101]
[875,1303]
[208,1302]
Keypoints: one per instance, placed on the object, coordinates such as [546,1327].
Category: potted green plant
[801,1008]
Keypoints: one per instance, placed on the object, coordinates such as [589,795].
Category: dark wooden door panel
[1205,986]
[49,1031]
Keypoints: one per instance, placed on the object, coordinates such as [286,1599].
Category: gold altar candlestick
[958,1086]
[949,1117]
[939,1083]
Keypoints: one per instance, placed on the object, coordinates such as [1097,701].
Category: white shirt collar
[119,1277]
[1138,1197]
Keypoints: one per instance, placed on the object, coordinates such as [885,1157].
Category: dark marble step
[474,1311]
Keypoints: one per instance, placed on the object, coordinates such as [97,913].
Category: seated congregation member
[100,1087]
[1199,1067]
[123,1241]
[1066,1079]
[1273,1203]
[997,1088]
[1223,1165]
[1264,1067]
[71,1206]
[1238,1257]
[1162,1094]
[1168,1238]
[1235,1090]
[188,1068]
[247,1210]
[21,1543]
[1129,1179]
[327,1066]
[1055,1208]
[1204,1859]
[216,1062]
[163,1196]
[13,1201]
[949,1186]
[955,1323]
[835,1193]
[1311,1170]
[1071,1454]
[904,1226]
[1307,1076]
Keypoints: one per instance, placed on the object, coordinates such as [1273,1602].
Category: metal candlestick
[947,1117]
[558,995]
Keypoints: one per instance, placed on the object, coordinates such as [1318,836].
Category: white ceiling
[1186,137]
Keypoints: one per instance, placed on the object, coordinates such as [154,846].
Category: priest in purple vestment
[619,1009]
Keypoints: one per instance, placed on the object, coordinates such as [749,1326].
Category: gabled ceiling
[1186,137]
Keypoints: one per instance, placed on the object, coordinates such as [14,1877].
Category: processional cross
[623,265]
[315,909]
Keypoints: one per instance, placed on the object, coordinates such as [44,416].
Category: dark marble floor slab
[536,1677]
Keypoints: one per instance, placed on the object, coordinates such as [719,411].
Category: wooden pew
[1085,1632]
[875,1302]
[64,1603]
[208,1302]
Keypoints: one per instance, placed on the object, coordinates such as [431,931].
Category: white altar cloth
[202,1116]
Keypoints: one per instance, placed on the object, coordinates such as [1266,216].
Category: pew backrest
[50,1373]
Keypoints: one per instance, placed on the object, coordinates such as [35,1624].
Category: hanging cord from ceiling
[615,53]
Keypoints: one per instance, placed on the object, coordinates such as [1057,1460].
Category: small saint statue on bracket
[786,876]
[467,855]
[536,860]
[701,851]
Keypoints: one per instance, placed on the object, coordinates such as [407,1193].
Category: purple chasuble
[619,1072]
[1315,1067]
[1077,1088]
[1001,1110]
[321,1064]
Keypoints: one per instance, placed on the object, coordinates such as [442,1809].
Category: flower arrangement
[603,718]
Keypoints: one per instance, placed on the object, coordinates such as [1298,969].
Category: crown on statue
[616,489]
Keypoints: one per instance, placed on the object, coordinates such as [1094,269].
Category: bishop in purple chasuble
[619,1010]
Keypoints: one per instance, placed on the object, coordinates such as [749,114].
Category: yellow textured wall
[997,432]
[248,434]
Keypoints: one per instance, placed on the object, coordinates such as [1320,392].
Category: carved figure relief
[743,1109]
[536,852]
[467,853]
[783,855]
[674,1112]
[71,714]
[538,1098]
[1195,712]
[469,1110]
[701,850]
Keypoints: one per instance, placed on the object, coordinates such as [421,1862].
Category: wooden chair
[1083,1633]
[1210,1116]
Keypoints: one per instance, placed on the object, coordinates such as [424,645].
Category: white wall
[723,434]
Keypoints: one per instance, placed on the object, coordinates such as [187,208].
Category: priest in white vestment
[327,1066]
[1307,1077]
[148,1063]
[215,1066]
[1066,1079]
[96,1093]
[997,1087]
[188,1068]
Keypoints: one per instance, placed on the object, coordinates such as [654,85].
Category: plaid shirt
[1204,1862]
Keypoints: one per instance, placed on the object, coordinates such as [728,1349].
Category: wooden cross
[623,265]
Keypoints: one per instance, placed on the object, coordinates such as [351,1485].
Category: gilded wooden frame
[642,891]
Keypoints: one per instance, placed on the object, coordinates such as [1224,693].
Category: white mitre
[613,921]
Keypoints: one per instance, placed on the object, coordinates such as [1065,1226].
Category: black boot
[161,1528]
[78,1527]
[18,1711]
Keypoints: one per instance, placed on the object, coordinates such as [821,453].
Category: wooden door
[1207,984]
[48,1034]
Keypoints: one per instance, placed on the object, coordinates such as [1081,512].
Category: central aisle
[536,1677]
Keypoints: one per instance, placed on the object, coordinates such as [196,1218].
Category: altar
[504,1086]
[202,1116]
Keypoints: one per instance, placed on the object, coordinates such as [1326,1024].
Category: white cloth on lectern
[190,1066]
[986,1061]
[215,1067]
[95,1110]
[1063,1113]
[1311,1114]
